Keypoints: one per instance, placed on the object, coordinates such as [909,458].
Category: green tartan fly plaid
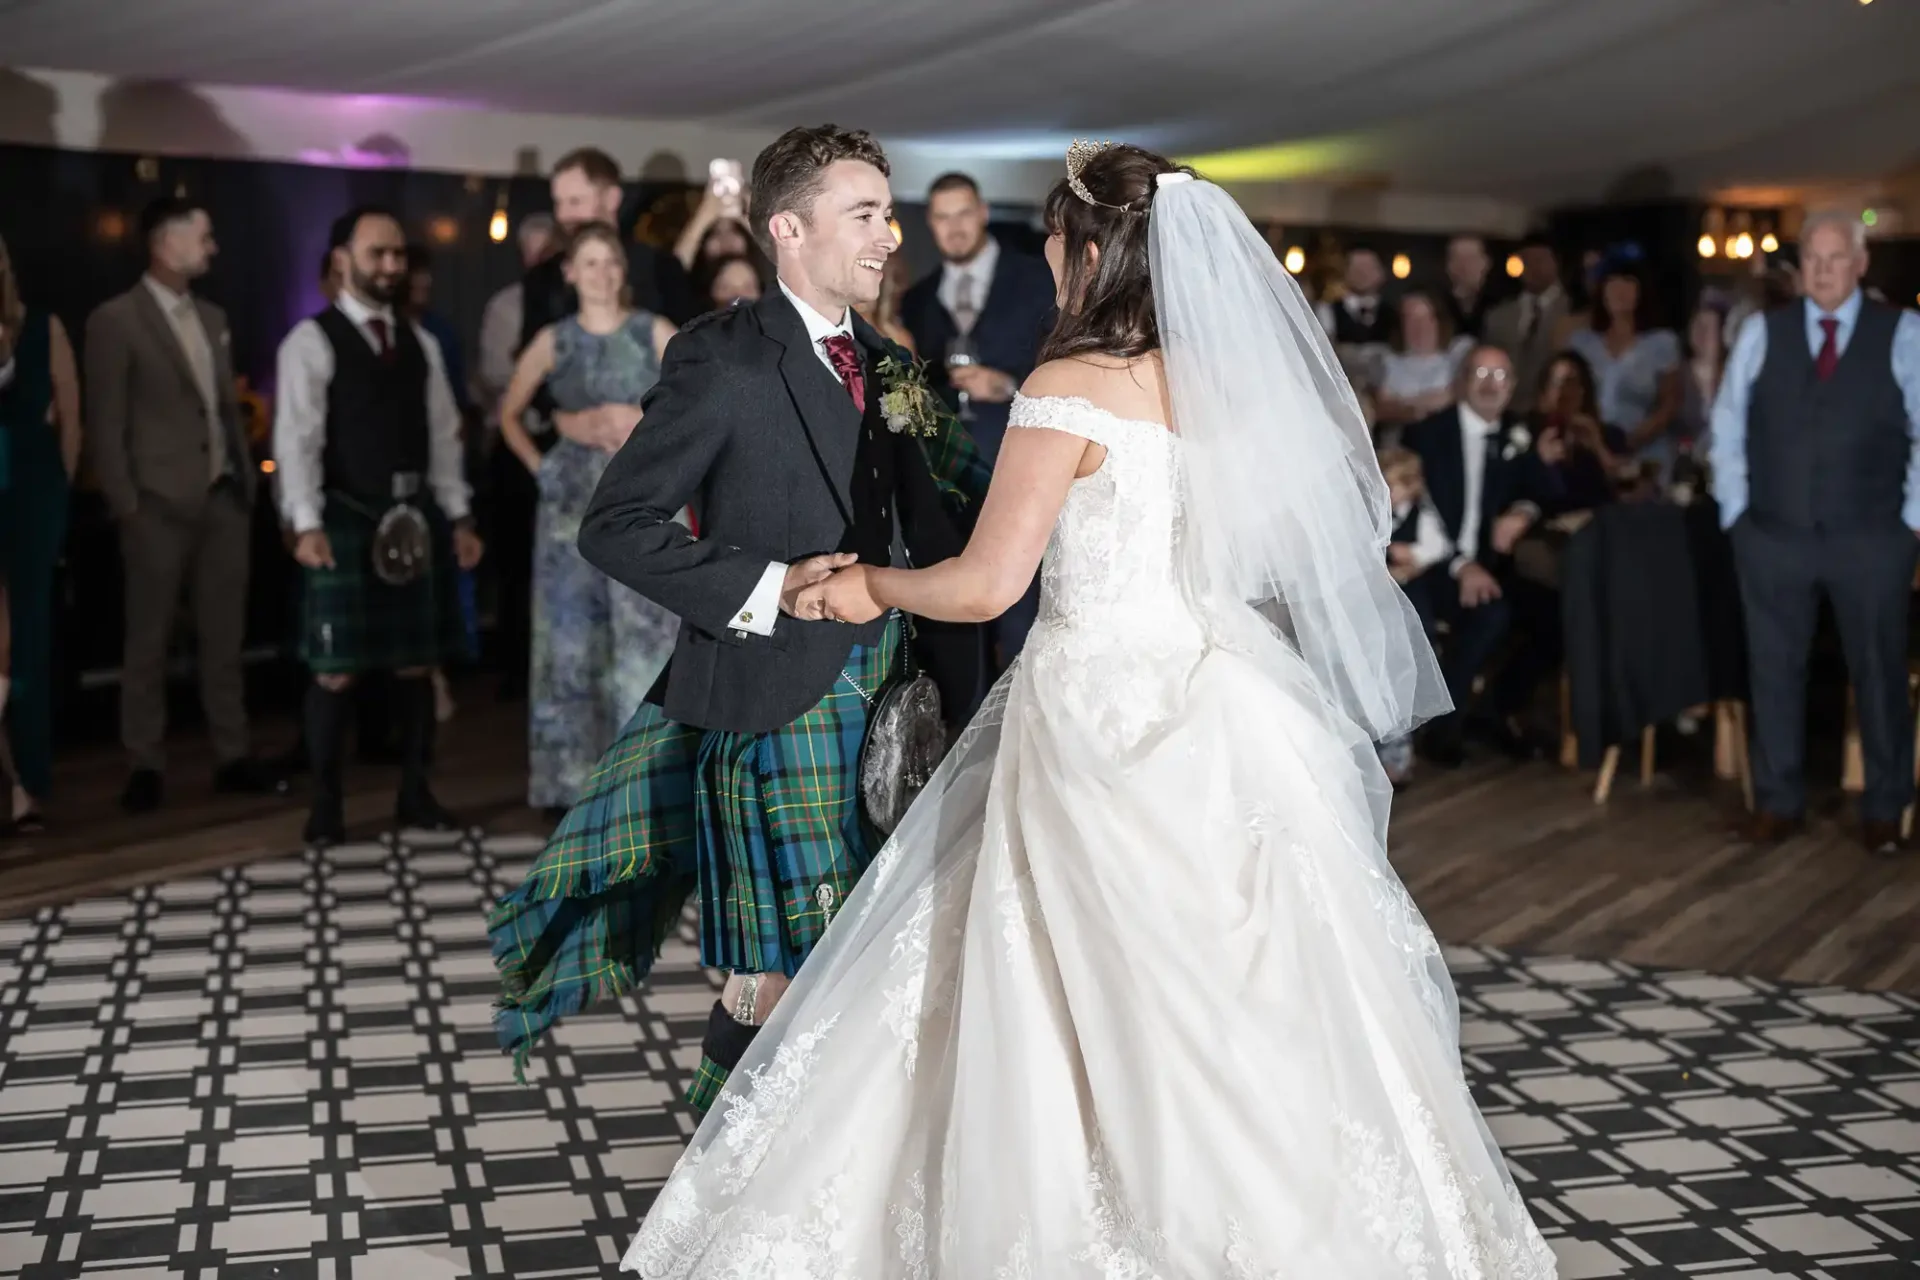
[768,826]
[353,622]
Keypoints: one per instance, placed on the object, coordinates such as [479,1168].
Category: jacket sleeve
[629,532]
[107,371]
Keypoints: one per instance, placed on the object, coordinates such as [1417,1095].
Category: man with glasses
[1478,469]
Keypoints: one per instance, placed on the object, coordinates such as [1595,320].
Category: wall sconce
[1742,246]
[1296,260]
[1769,243]
[1402,266]
[1514,266]
[443,230]
[497,228]
[1708,247]
[112,225]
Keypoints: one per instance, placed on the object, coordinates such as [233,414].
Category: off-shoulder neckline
[1082,402]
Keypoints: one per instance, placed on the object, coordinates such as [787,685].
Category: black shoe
[144,792]
[250,777]
[326,823]
[416,809]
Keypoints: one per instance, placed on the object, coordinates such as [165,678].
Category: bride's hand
[845,597]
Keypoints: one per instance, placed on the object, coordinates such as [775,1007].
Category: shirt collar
[819,328]
[360,312]
[982,267]
[167,298]
[1846,313]
[1471,423]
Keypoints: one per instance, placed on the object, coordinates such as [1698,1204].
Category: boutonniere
[1519,439]
[906,401]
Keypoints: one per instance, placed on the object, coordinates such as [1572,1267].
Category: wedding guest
[1705,361]
[1470,295]
[1472,455]
[728,282]
[1419,542]
[1579,454]
[597,646]
[979,320]
[1817,473]
[1361,317]
[1635,367]
[164,427]
[1417,377]
[365,430]
[40,437]
[1533,325]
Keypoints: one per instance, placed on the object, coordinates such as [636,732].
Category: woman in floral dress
[597,646]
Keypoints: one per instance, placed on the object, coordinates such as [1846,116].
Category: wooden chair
[1730,758]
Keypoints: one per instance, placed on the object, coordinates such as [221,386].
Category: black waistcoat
[376,410]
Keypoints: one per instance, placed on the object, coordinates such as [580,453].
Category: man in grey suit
[164,426]
[1533,326]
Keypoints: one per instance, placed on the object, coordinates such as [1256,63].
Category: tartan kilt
[760,823]
[351,621]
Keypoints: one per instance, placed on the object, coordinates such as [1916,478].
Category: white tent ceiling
[1533,100]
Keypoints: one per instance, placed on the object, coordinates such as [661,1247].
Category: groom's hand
[845,597]
[802,574]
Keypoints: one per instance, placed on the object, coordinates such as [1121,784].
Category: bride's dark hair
[1107,307]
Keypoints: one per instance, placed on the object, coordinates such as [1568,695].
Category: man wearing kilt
[739,773]
[366,433]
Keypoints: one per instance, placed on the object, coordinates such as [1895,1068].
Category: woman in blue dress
[597,646]
[1636,371]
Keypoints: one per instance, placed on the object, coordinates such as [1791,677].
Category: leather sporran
[906,740]
[402,546]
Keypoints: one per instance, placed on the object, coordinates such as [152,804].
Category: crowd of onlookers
[1505,415]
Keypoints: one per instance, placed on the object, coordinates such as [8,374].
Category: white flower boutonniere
[1519,440]
[906,401]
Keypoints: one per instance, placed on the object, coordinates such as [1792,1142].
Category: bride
[1133,991]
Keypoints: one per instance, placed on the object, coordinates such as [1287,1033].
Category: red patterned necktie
[381,344]
[845,357]
[1829,357]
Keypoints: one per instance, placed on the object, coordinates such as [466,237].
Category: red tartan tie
[846,362]
[1829,357]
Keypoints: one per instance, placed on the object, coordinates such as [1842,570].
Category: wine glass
[960,354]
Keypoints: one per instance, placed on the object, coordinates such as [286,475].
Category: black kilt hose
[354,622]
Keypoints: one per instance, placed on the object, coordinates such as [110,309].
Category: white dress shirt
[1431,546]
[1475,431]
[964,285]
[183,317]
[762,608]
[305,367]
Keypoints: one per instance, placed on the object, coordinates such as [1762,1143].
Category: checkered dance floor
[285,1070]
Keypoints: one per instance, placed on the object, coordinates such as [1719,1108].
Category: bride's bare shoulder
[1132,389]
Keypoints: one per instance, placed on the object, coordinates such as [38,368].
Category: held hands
[802,574]
[847,596]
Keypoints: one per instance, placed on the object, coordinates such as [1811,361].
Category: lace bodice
[1111,607]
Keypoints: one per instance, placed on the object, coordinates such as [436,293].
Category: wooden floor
[1512,856]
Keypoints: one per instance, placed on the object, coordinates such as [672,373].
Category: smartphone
[726,179]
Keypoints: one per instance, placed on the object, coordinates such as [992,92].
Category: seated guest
[1419,543]
[1579,455]
[1479,478]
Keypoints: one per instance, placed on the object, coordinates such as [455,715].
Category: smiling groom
[739,772]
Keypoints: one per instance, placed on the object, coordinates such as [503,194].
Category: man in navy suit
[1479,477]
[1003,302]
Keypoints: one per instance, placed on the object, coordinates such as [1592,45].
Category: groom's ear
[785,228]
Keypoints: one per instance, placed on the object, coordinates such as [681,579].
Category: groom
[739,771]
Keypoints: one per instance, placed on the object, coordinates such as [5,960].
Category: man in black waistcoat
[1818,480]
[367,445]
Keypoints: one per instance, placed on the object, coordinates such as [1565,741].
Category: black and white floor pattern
[286,1071]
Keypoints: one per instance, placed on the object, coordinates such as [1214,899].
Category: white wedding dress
[1132,993]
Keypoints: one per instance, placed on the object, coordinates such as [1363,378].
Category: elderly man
[1481,480]
[1818,476]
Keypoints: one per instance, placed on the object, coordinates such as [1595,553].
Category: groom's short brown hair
[788,175]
